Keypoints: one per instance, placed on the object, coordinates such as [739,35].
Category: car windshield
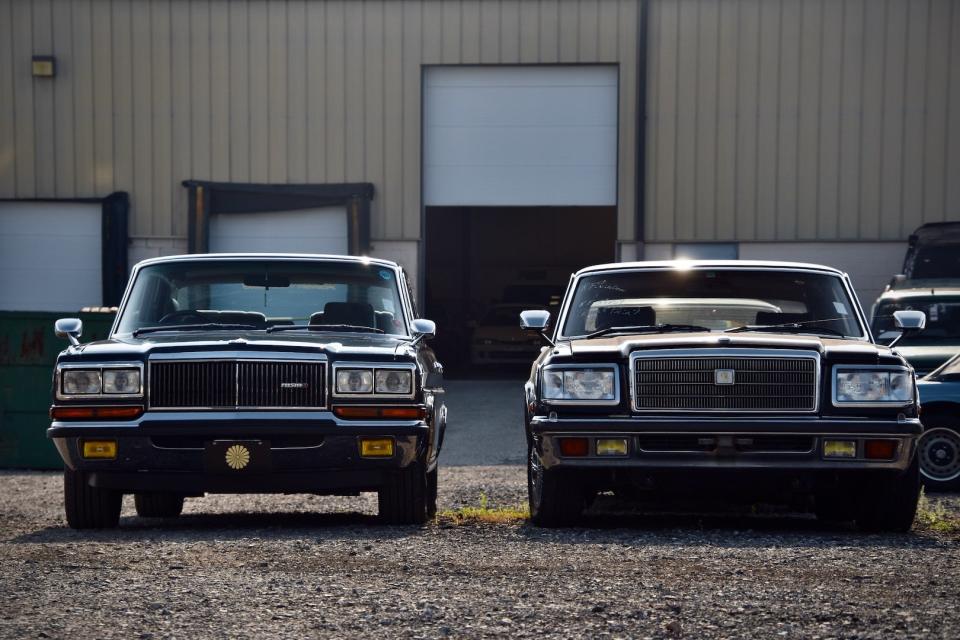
[264,295]
[943,318]
[711,299]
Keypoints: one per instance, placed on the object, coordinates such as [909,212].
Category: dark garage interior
[484,264]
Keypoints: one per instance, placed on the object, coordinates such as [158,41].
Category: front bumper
[312,452]
[787,444]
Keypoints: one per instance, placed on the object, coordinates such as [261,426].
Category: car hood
[926,358]
[367,344]
[623,345]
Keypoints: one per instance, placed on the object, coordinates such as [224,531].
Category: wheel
[89,507]
[404,499]
[158,504]
[890,503]
[939,453]
[556,500]
[432,478]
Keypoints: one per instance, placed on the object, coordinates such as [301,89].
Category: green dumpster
[28,351]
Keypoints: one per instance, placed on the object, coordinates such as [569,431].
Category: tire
[889,504]
[158,504]
[432,481]
[939,453]
[556,499]
[89,507]
[404,500]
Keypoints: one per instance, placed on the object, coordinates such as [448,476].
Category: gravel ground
[295,566]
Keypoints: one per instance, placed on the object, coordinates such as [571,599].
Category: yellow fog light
[376,447]
[100,449]
[839,449]
[611,446]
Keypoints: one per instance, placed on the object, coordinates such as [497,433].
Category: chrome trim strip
[58,388]
[869,367]
[373,366]
[735,353]
[584,403]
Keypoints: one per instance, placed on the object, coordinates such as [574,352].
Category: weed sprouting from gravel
[934,516]
[483,513]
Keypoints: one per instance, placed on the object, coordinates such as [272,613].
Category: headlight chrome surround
[376,380]
[132,386]
[580,384]
[873,386]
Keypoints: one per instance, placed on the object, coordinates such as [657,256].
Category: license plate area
[237,456]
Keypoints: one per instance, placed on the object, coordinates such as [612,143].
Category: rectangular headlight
[121,381]
[354,381]
[394,381]
[583,384]
[872,386]
[77,382]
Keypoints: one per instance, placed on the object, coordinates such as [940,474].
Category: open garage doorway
[485,264]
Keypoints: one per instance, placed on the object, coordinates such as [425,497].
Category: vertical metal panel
[841,128]
[410,101]
[181,96]
[625,32]
[8,65]
[122,109]
[61,44]
[141,91]
[952,161]
[277,113]
[82,81]
[161,123]
[316,128]
[374,101]
[335,91]
[220,91]
[259,91]
[390,195]
[239,49]
[102,84]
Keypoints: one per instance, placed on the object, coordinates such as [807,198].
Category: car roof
[313,257]
[710,264]
[922,292]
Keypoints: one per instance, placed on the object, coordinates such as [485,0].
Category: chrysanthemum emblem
[238,456]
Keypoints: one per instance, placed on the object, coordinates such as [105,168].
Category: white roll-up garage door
[50,256]
[321,230]
[520,135]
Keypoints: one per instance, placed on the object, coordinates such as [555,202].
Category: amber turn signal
[880,449]
[390,413]
[574,447]
[100,449]
[90,413]
[376,447]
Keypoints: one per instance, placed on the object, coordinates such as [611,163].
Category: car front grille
[769,383]
[237,384]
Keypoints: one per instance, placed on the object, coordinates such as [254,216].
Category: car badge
[724,376]
[238,457]
[294,385]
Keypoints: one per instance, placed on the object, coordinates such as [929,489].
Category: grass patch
[934,516]
[483,513]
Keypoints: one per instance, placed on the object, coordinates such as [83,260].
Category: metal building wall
[792,120]
[151,92]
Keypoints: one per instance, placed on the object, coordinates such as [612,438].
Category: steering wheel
[184,316]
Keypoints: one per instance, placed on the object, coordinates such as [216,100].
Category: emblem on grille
[293,385]
[724,376]
[238,457]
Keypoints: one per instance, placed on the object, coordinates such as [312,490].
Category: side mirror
[69,328]
[908,322]
[423,329]
[536,320]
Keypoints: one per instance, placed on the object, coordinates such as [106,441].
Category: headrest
[624,317]
[358,314]
[252,318]
[773,317]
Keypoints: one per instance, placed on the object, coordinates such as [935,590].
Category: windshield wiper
[324,327]
[793,327]
[192,327]
[646,328]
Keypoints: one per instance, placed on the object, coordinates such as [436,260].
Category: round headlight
[125,381]
[393,381]
[354,381]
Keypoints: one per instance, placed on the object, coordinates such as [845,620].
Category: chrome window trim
[734,353]
[869,367]
[96,366]
[844,279]
[409,366]
[584,403]
[179,358]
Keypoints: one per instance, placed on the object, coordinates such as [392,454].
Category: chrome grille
[237,384]
[774,383]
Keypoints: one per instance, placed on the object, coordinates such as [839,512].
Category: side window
[409,293]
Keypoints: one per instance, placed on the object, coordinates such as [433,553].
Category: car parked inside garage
[251,373]
[762,381]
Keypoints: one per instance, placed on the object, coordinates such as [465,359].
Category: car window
[717,299]
[943,318]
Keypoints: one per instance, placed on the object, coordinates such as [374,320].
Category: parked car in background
[251,373]
[939,447]
[933,252]
[762,381]
[497,338]
[940,340]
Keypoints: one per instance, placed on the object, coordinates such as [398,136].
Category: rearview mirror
[536,320]
[69,328]
[908,322]
[423,329]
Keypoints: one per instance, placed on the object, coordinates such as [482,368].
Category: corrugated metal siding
[149,93]
[802,119]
